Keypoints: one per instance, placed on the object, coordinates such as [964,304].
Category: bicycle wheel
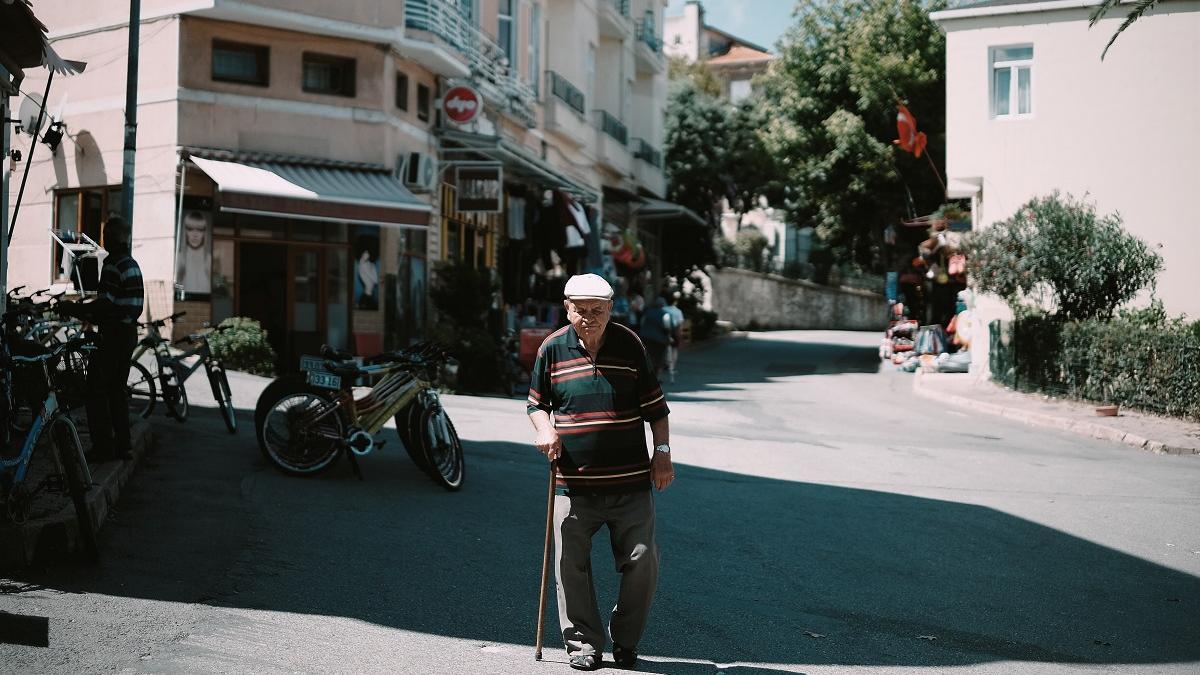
[78,480]
[407,421]
[301,432]
[220,389]
[174,394]
[443,449]
[141,389]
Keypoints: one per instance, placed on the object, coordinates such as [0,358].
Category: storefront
[319,252]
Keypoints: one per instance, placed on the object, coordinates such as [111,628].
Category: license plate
[312,363]
[324,380]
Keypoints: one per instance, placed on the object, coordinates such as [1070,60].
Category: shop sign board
[462,104]
[479,189]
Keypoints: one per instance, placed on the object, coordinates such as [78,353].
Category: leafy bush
[463,299]
[243,346]
[1058,249]
[1140,359]
[751,246]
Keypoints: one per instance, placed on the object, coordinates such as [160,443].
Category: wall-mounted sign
[479,189]
[462,104]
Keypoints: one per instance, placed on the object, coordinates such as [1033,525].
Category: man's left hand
[662,473]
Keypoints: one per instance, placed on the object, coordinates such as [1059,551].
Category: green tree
[831,117]
[1059,251]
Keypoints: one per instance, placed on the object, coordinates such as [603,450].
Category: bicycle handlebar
[72,345]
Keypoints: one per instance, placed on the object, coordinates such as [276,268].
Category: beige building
[1031,108]
[295,163]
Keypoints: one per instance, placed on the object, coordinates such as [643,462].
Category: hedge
[1156,369]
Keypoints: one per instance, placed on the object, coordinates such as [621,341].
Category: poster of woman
[194,258]
[366,267]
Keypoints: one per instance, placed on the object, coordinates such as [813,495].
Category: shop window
[402,91]
[324,74]
[408,300]
[240,63]
[223,279]
[83,211]
[422,103]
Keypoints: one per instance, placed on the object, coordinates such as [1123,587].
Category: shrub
[1140,360]
[243,346]
[1058,249]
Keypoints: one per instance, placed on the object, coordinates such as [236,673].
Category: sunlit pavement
[824,520]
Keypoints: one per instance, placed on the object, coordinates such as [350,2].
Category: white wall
[686,29]
[1122,132]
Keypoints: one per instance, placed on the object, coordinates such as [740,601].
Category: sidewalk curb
[1092,429]
[58,535]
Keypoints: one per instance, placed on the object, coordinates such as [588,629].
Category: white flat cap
[588,287]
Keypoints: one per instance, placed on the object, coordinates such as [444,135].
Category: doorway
[299,293]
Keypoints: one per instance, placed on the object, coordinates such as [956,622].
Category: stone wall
[753,300]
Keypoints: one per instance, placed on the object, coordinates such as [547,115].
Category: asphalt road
[824,520]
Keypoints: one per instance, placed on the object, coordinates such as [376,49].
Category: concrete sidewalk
[55,535]
[1140,430]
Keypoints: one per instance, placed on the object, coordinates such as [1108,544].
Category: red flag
[910,139]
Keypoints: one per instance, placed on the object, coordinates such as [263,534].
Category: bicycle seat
[330,354]
[348,371]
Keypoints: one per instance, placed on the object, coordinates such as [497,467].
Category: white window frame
[510,49]
[1014,67]
[535,46]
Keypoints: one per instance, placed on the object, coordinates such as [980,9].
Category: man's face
[589,317]
[195,229]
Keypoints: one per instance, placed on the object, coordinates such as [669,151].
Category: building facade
[1031,108]
[295,163]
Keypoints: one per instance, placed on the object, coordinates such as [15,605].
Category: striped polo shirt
[599,408]
[121,284]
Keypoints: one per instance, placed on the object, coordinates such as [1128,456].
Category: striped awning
[313,192]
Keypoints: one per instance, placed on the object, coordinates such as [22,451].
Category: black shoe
[586,661]
[624,657]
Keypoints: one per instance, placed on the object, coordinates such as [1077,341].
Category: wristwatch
[663,448]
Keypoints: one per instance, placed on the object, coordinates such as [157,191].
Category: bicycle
[173,372]
[305,422]
[67,470]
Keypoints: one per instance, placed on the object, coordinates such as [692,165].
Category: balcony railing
[622,6]
[612,126]
[647,153]
[562,88]
[646,34]
[487,61]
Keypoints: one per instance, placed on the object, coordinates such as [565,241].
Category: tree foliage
[831,116]
[1060,249]
[1140,7]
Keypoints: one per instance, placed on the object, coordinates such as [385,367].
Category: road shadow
[762,358]
[754,570]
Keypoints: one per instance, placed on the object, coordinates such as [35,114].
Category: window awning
[659,209]
[517,160]
[305,191]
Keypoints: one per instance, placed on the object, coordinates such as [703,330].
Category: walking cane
[537,655]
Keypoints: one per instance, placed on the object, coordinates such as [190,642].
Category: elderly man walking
[595,378]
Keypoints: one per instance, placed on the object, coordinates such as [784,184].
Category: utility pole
[131,89]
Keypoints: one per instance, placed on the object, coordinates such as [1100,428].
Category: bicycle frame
[392,394]
[49,414]
[163,355]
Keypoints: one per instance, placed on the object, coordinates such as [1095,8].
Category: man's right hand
[548,443]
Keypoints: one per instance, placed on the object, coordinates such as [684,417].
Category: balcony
[441,37]
[613,19]
[647,170]
[564,109]
[648,48]
[611,143]
[647,153]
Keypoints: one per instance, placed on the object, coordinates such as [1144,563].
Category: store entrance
[299,293]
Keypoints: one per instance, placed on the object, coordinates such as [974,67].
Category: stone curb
[58,535]
[1092,429]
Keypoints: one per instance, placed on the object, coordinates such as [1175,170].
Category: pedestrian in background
[115,312]
[653,331]
[673,325]
[595,378]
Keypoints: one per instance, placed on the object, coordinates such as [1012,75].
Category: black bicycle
[167,385]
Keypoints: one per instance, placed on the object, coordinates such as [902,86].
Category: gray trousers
[630,521]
